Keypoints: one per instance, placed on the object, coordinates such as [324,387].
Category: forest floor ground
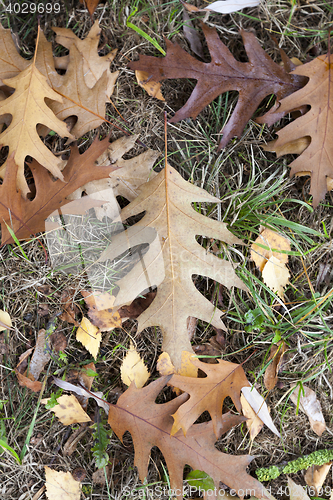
[254,188]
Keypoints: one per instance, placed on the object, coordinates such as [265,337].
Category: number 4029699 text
[33,7]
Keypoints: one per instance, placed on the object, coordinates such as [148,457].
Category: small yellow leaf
[5,321]
[133,368]
[275,275]
[89,336]
[274,242]
[253,423]
[187,369]
[69,411]
[61,485]
[153,88]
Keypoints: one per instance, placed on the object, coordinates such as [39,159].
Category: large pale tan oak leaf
[150,425]
[207,394]
[317,159]
[26,217]
[27,108]
[254,80]
[174,256]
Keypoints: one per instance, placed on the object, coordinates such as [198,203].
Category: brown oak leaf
[207,394]
[254,80]
[26,217]
[150,425]
[93,65]
[317,158]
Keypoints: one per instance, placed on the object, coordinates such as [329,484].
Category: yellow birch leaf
[5,321]
[275,275]
[69,411]
[273,243]
[61,485]
[133,368]
[253,423]
[89,336]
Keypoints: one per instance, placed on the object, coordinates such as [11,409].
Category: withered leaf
[254,80]
[85,103]
[91,5]
[61,485]
[317,123]
[207,394]
[101,310]
[124,182]
[93,65]
[69,411]
[133,368]
[272,370]
[310,405]
[11,63]
[89,336]
[41,356]
[150,425]
[28,108]
[173,257]
[26,217]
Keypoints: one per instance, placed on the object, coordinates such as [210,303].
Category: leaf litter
[73,45]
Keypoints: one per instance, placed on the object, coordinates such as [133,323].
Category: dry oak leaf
[89,336]
[61,485]
[11,63]
[26,217]
[309,405]
[28,108]
[173,257]
[207,394]
[101,310]
[124,182]
[150,425]
[93,65]
[133,368]
[317,123]
[85,103]
[254,80]
[272,370]
[69,411]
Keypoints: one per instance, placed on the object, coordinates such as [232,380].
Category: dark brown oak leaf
[222,380]
[150,425]
[26,217]
[254,80]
